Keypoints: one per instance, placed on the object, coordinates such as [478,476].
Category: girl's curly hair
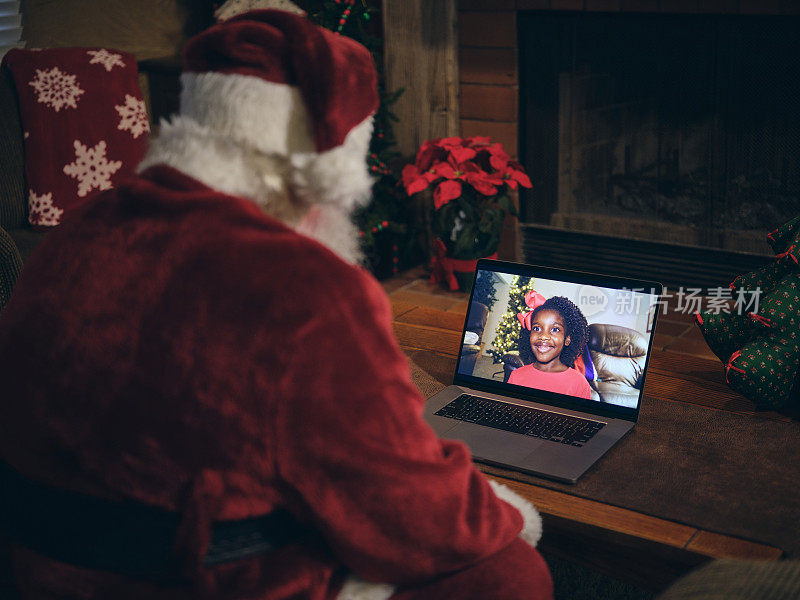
[576,328]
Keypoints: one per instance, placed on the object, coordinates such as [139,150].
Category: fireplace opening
[677,131]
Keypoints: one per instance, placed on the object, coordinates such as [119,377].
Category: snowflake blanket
[761,348]
[84,122]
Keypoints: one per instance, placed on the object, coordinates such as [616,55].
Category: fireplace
[665,145]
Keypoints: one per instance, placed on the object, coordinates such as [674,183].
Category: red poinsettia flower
[430,152]
[496,149]
[455,147]
[462,155]
[515,175]
[499,163]
[479,141]
[483,182]
[446,191]
[413,180]
[450,142]
[449,163]
[447,169]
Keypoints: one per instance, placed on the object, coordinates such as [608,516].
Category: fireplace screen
[674,128]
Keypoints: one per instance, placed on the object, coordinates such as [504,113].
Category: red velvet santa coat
[176,346]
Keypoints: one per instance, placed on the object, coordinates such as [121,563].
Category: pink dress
[569,382]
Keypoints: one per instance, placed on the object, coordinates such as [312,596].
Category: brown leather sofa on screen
[618,355]
[478,314]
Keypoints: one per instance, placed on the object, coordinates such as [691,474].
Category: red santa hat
[273,81]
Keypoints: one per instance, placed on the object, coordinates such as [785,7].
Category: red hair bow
[533,299]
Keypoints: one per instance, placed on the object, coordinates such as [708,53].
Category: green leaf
[505,203]
[464,246]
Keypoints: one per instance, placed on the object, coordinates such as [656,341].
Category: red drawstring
[760,319]
[730,366]
[787,253]
[772,233]
[698,318]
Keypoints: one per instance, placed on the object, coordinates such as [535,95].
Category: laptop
[574,394]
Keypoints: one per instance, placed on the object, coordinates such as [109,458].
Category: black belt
[129,538]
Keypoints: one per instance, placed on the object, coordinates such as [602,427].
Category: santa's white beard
[333,227]
[284,190]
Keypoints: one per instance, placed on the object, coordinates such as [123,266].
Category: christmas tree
[383,224]
[485,291]
[507,331]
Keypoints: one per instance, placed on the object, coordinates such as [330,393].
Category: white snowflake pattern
[56,88]
[133,116]
[108,59]
[91,167]
[41,210]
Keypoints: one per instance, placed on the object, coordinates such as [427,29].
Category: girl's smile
[548,339]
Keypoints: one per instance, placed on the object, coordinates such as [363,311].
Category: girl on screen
[551,338]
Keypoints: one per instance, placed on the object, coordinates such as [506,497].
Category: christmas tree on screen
[508,329]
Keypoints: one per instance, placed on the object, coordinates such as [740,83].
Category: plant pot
[453,273]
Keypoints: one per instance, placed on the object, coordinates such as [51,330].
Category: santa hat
[273,81]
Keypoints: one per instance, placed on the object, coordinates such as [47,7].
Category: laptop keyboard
[543,424]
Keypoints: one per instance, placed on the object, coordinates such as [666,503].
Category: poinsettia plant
[470,179]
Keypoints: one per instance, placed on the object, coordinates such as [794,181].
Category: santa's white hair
[252,138]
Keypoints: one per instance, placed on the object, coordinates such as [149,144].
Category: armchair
[471,345]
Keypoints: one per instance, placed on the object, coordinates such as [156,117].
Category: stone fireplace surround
[489,104]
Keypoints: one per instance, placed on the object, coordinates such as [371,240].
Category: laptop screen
[576,339]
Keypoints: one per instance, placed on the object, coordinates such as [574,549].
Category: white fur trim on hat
[272,118]
[532,528]
[269,180]
[232,8]
[358,589]
[337,176]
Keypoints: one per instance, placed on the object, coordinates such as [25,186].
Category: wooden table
[644,550]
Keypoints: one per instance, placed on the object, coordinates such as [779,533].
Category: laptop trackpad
[494,444]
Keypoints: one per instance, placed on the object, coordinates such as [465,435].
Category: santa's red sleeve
[395,503]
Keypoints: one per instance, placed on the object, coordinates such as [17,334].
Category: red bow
[787,253]
[445,268]
[730,366]
[442,268]
[533,299]
[760,319]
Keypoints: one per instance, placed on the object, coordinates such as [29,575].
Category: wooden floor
[429,318]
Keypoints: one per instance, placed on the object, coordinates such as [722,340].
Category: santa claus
[203,397]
